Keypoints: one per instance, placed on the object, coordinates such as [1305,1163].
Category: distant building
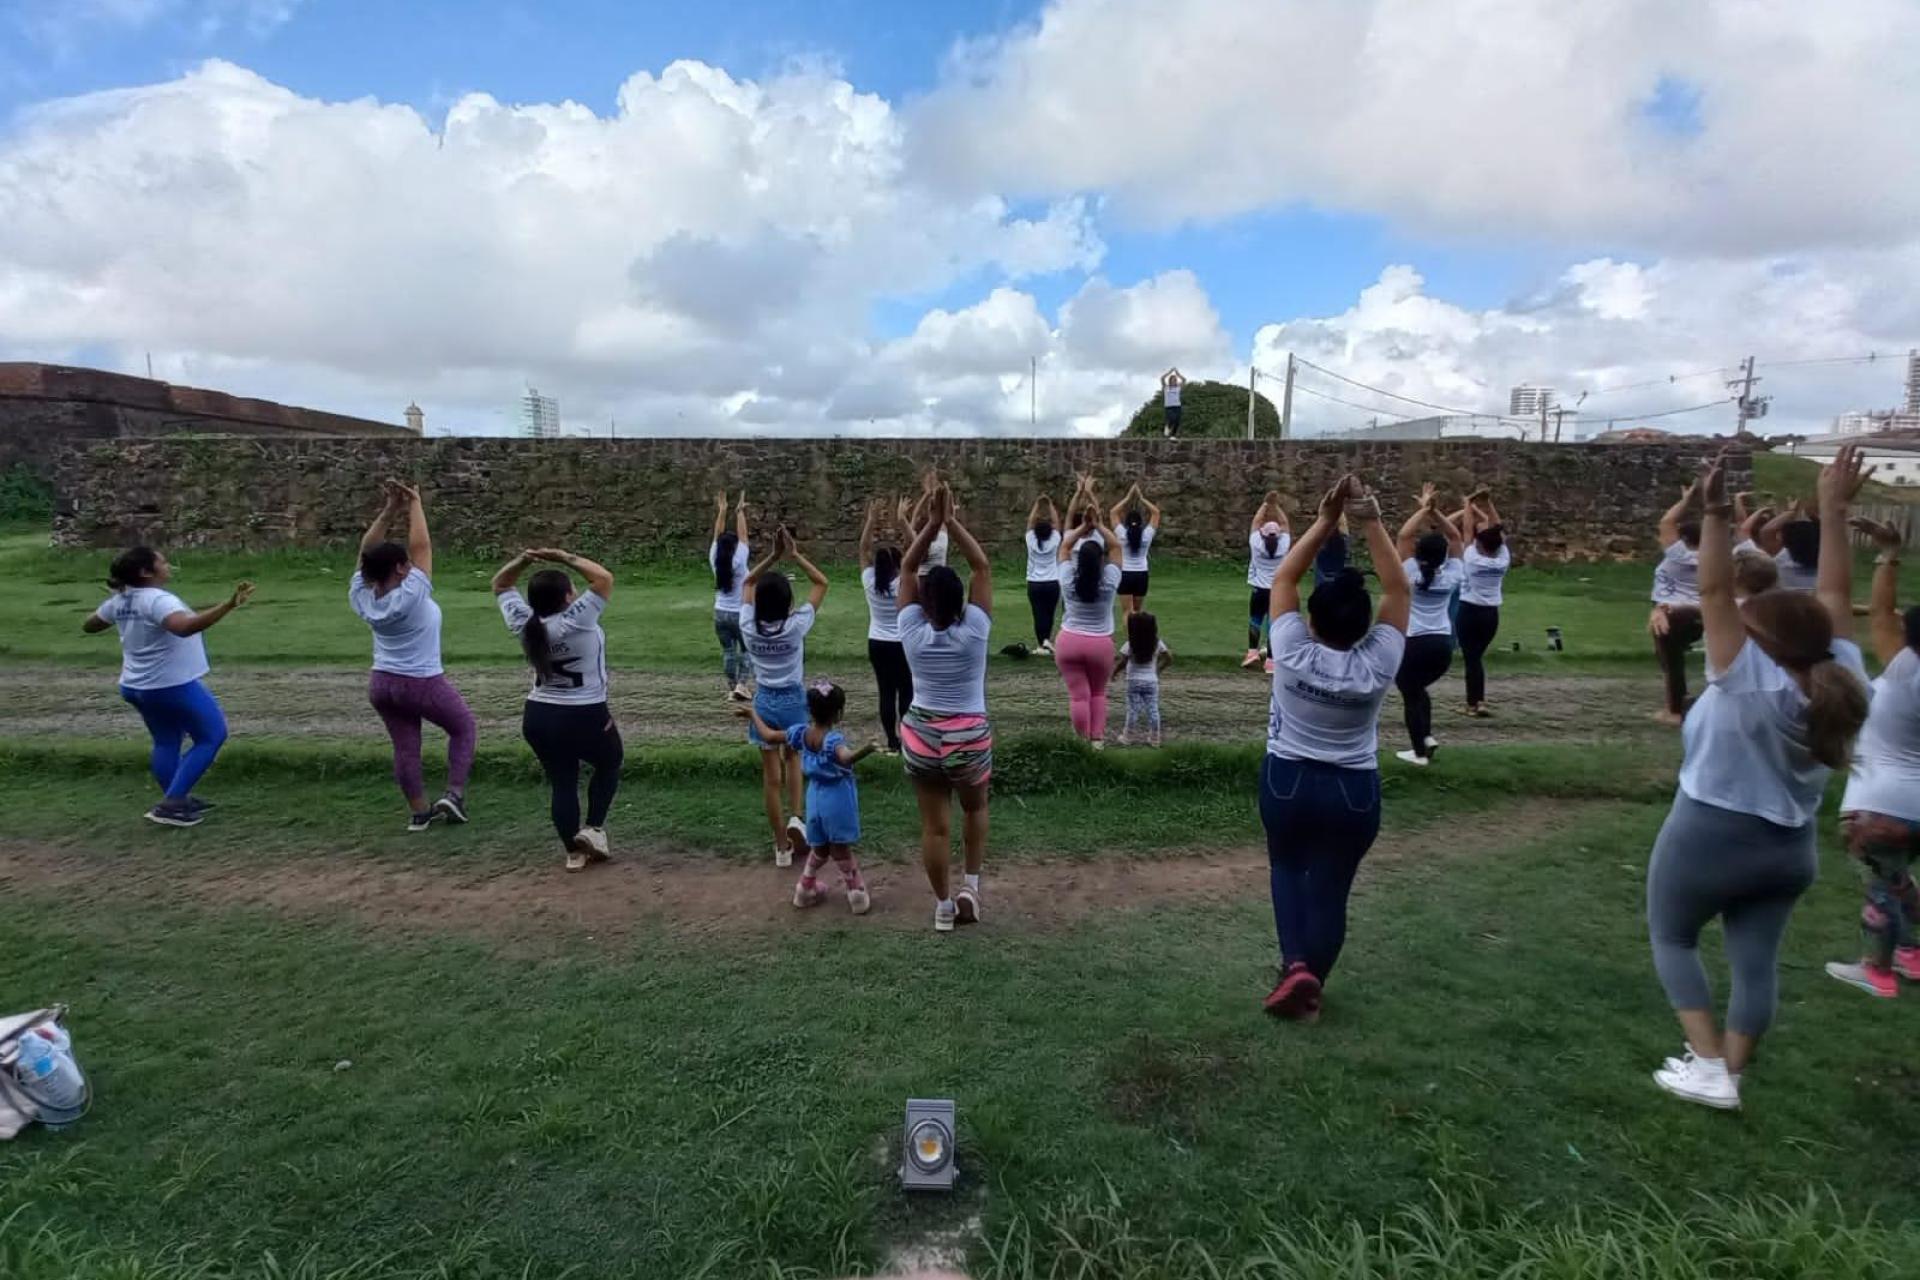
[416,420]
[1634,435]
[1527,401]
[1453,426]
[1870,422]
[1913,382]
[1894,458]
[539,416]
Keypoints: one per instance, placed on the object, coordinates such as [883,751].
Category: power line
[1395,395]
[1668,413]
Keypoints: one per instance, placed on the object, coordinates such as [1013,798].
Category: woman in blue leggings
[162,662]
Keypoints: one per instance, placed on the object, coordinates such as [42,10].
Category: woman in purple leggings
[393,593]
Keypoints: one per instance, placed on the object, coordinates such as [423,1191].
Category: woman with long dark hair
[163,665]
[1138,522]
[1486,560]
[1089,580]
[392,592]
[567,719]
[727,557]
[1786,695]
[1043,570]
[775,631]
[880,578]
[1431,561]
[946,740]
[1268,539]
[1320,785]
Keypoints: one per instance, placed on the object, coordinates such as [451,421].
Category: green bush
[1209,410]
[25,496]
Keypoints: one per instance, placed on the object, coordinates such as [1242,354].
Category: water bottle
[47,1071]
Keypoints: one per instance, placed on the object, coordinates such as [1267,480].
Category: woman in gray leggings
[1786,693]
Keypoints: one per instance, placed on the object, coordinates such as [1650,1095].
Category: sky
[959,217]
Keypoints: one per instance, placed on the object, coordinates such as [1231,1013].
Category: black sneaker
[174,814]
[421,821]
[451,807]
[198,805]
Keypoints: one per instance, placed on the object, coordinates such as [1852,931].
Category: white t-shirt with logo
[949,667]
[1043,558]
[576,649]
[152,657]
[1886,760]
[728,601]
[405,622]
[1795,576]
[1132,561]
[1261,568]
[883,607]
[1326,701]
[1143,675]
[1430,604]
[1746,739]
[780,655]
[1088,618]
[1485,575]
[1676,579]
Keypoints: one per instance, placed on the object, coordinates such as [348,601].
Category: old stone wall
[637,497]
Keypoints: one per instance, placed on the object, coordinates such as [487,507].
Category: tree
[1209,410]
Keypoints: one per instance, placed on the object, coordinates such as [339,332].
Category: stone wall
[628,497]
[46,409]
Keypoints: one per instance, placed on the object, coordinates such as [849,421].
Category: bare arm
[1751,523]
[1409,531]
[909,580]
[419,544]
[1119,663]
[980,579]
[1492,512]
[1883,608]
[1669,522]
[866,535]
[740,519]
[1725,628]
[93,623]
[1456,545]
[509,575]
[814,576]
[1839,482]
[761,729]
[377,531]
[192,624]
[719,515]
[1285,598]
[1034,514]
[1396,593]
[1163,659]
[1153,509]
[1770,539]
[755,573]
[851,758]
[599,578]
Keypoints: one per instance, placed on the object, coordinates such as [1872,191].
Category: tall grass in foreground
[1092,1238]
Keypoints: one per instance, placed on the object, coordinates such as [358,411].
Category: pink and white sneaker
[1871,979]
[966,905]
[805,895]
[1267,666]
[1251,660]
[1906,963]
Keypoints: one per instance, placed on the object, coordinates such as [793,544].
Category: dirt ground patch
[664,890]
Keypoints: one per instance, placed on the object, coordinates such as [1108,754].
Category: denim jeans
[1321,820]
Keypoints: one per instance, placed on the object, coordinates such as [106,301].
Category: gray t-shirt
[1326,702]
[779,654]
[576,649]
[949,667]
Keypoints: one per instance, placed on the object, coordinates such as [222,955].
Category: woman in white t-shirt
[1880,812]
[1485,560]
[1320,784]
[1138,522]
[946,740]
[1786,694]
[1089,581]
[567,719]
[727,558]
[913,518]
[880,579]
[1043,570]
[1268,539]
[1431,561]
[1675,623]
[162,664]
[775,633]
[392,592]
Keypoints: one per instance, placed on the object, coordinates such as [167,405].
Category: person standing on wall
[392,592]
[1138,522]
[1267,544]
[1171,383]
[163,665]
[1043,570]
[1320,783]
[1675,622]
[1486,560]
[880,579]
[775,632]
[1089,580]
[727,558]
[1786,695]
[1432,563]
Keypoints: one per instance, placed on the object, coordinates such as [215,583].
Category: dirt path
[666,707]
[665,890]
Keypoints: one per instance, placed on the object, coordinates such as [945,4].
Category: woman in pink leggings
[1089,579]
[393,593]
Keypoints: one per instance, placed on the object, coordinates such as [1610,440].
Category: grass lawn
[326,1049]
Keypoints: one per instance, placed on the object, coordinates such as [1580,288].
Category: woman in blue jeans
[1320,785]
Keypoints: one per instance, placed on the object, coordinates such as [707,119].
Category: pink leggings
[403,702]
[1086,664]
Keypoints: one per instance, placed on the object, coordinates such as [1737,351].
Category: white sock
[973,882]
[946,904]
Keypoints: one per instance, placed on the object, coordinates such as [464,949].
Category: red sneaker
[1297,995]
[1906,963]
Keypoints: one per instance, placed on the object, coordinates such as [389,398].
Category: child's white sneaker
[858,902]
[782,856]
[943,916]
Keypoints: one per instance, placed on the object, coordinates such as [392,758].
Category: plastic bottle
[46,1068]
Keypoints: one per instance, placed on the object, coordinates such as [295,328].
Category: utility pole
[1286,403]
[1559,421]
[1543,419]
[1253,377]
[1033,391]
[1747,406]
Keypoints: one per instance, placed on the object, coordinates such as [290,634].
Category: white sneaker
[1098,744]
[595,838]
[966,905]
[1046,647]
[782,856]
[739,694]
[943,917]
[858,902]
[796,841]
[1411,757]
[1433,745]
[1251,660]
[1124,738]
[1700,1080]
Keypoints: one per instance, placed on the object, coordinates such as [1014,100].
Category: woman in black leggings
[567,721]
[1432,563]
[880,576]
[1486,560]
[1043,569]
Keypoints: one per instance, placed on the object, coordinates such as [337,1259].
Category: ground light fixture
[926,1152]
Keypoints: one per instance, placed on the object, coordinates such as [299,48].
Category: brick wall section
[626,497]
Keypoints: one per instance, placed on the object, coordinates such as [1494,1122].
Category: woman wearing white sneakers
[1433,565]
[1137,521]
[1043,570]
[1267,543]
[1786,693]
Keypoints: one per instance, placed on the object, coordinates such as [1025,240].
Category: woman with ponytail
[1786,695]
[1089,580]
[162,665]
[1138,521]
[1432,562]
[1486,560]
[1268,540]
[567,720]
[1043,570]
[727,559]
[880,576]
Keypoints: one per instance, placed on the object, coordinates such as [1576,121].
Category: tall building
[1526,401]
[416,420]
[1913,381]
[539,416]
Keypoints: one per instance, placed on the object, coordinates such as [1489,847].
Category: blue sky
[1434,207]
